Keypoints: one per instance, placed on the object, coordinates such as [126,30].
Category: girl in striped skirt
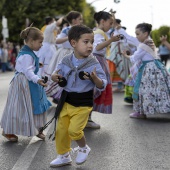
[26,106]
[101,47]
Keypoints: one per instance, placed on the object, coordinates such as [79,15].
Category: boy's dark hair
[48,19]
[76,31]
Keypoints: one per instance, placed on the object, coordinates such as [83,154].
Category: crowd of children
[78,62]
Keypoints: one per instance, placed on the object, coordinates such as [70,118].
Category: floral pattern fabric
[154,91]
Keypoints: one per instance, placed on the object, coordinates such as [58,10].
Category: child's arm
[25,64]
[108,42]
[138,55]
[63,36]
[41,82]
[61,40]
[124,53]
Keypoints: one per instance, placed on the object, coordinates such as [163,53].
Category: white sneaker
[61,160]
[82,155]
[93,125]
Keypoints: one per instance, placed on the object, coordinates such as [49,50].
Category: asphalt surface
[122,143]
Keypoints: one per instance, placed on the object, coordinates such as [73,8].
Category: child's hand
[41,82]
[87,76]
[150,43]
[124,53]
[96,80]
[115,38]
[55,76]
[163,38]
[84,75]
[93,74]
[59,21]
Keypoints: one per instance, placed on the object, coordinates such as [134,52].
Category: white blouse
[49,33]
[63,34]
[98,39]
[26,64]
[65,44]
[142,55]
[130,39]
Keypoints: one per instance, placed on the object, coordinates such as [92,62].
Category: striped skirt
[115,77]
[121,66]
[53,90]
[103,99]
[18,117]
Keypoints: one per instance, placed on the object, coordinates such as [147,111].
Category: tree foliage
[156,34]
[18,11]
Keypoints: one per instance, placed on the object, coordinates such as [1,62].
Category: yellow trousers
[70,126]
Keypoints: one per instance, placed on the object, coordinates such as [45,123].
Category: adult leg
[166,59]
[163,58]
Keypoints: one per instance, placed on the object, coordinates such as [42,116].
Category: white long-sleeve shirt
[142,55]
[26,65]
[49,33]
[130,39]
[98,39]
[63,34]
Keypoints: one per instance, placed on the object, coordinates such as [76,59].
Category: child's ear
[73,43]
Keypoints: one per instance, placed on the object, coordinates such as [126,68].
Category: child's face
[37,44]
[78,21]
[107,24]
[141,36]
[84,46]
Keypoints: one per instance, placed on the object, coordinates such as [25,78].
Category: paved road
[122,143]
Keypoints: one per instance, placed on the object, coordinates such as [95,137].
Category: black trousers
[164,58]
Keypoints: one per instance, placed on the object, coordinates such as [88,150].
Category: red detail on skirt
[105,97]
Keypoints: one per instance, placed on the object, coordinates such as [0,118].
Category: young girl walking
[151,93]
[101,48]
[26,106]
